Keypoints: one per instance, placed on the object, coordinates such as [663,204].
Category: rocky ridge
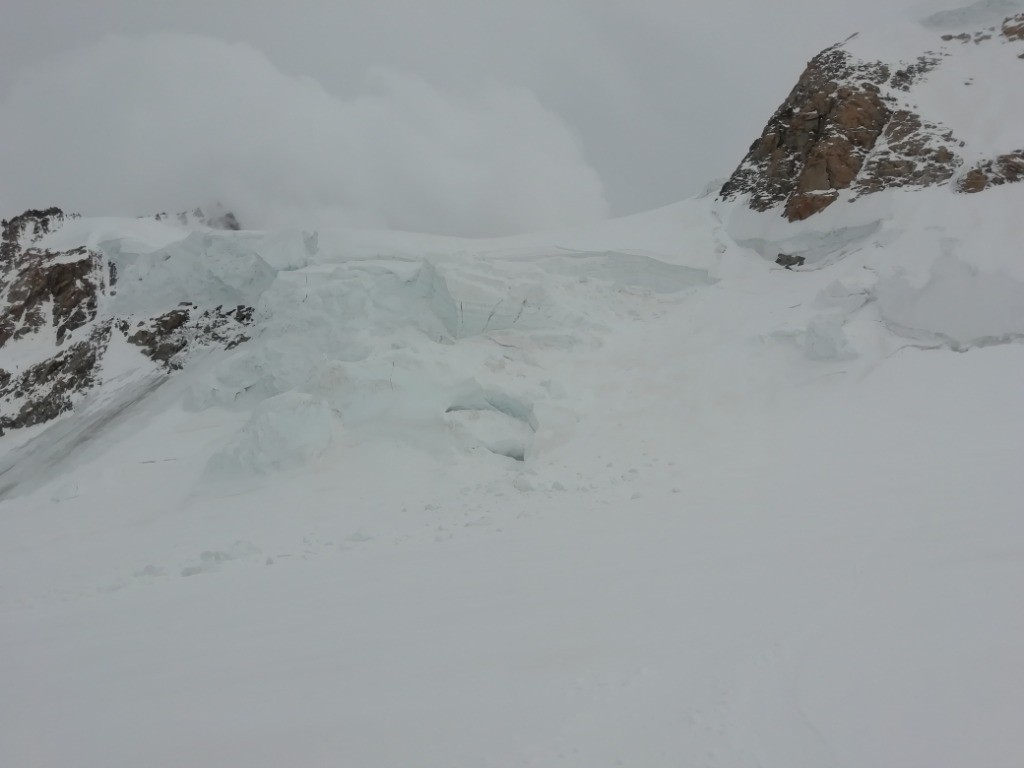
[54,335]
[853,126]
[214,217]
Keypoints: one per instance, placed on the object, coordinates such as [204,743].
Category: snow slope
[762,517]
[633,495]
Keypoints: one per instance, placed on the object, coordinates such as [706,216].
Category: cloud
[135,125]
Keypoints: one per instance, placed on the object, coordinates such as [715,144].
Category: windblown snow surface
[631,496]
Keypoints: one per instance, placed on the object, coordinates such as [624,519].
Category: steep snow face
[935,268]
[922,103]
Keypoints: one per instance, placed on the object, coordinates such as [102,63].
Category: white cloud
[164,122]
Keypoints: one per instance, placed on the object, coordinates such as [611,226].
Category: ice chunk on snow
[284,432]
[850,292]
[494,420]
[959,303]
[825,339]
[205,269]
[288,249]
[494,430]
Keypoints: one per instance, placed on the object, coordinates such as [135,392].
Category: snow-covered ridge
[906,106]
[60,316]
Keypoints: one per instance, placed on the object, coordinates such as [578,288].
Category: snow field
[628,496]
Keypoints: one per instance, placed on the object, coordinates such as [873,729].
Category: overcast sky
[453,116]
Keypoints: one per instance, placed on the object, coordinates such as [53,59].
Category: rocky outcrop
[851,126]
[816,141]
[53,335]
[164,338]
[215,217]
[910,153]
[47,389]
[1005,169]
[820,140]
[42,288]
[28,228]
[1013,27]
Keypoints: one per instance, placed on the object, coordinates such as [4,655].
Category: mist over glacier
[166,122]
[449,117]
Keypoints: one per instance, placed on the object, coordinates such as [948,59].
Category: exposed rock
[227,221]
[905,78]
[973,181]
[64,290]
[820,140]
[847,126]
[1005,169]
[804,205]
[787,261]
[1013,27]
[28,228]
[817,140]
[43,287]
[216,217]
[967,37]
[59,287]
[46,389]
[163,338]
[159,338]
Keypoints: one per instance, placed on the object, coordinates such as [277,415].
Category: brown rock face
[804,205]
[1005,169]
[1013,27]
[45,390]
[29,226]
[42,288]
[816,141]
[911,158]
[215,218]
[163,338]
[973,181]
[838,130]
[59,287]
